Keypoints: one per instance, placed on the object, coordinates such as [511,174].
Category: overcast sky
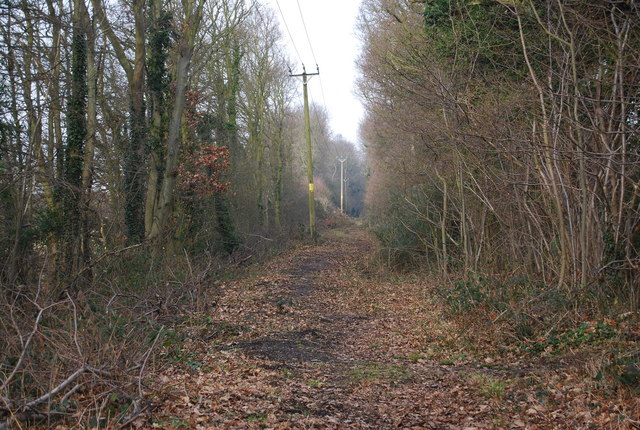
[331,28]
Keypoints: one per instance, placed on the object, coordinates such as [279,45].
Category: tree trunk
[134,160]
[87,171]
[74,151]
[159,43]
[134,173]
[193,15]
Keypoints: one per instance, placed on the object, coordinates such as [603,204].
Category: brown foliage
[200,172]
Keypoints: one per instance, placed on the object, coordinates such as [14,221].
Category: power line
[313,54]
[304,24]
[324,100]
[289,32]
[331,144]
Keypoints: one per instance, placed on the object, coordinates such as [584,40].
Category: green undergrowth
[533,320]
[620,369]
[373,372]
[586,333]
[504,297]
[491,387]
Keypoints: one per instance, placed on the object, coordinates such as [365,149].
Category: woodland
[155,232]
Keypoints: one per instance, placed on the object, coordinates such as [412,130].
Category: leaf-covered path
[317,340]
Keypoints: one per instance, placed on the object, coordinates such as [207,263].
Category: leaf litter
[322,338]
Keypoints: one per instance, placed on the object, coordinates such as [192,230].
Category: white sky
[331,28]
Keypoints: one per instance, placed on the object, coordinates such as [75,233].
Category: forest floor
[319,338]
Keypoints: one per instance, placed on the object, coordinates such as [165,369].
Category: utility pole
[342,160]
[346,181]
[312,204]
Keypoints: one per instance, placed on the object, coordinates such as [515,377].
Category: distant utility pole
[342,160]
[346,182]
[307,126]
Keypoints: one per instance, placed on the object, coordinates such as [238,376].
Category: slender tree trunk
[134,172]
[277,186]
[134,160]
[464,234]
[87,168]
[158,83]
[443,227]
[193,15]
[11,268]
[33,147]
[548,158]
[227,134]
[74,153]
[56,141]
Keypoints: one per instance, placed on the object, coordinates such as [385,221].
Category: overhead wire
[324,100]
[331,145]
[304,25]
[289,32]
[313,54]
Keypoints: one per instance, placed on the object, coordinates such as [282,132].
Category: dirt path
[316,341]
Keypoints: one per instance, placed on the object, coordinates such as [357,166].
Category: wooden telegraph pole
[312,206]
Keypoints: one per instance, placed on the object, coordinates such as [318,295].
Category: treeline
[145,148]
[173,124]
[503,140]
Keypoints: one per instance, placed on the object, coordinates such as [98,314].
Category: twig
[144,363]
[75,325]
[188,262]
[102,257]
[136,413]
[6,402]
[9,409]
[257,235]
[26,345]
[56,390]
[70,393]
[99,371]
[243,260]
[500,316]
[44,263]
